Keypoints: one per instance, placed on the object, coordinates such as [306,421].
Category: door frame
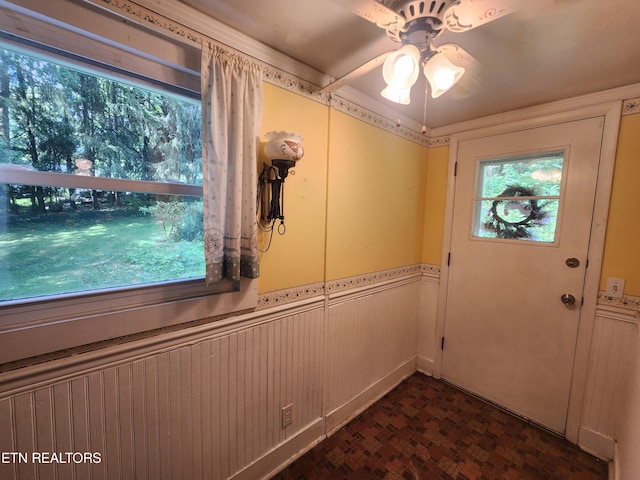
[611,112]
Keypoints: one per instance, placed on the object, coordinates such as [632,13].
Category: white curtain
[231,116]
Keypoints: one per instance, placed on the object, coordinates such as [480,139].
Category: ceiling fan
[415,24]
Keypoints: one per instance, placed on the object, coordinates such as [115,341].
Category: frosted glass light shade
[400,72]
[441,74]
[397,95]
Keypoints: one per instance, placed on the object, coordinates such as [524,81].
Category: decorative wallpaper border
[442,141]
[631,106]
[627,302]
[289,295]
[428,269]
[153,19]
[371,278]
[287,81]
[372,118]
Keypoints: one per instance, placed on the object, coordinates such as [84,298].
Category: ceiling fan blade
[470,14]
[475,74]
[375,12]
[355,73]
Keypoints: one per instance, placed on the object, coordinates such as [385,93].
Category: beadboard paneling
[371,333]
[428,344]
[613,336]
[205,409]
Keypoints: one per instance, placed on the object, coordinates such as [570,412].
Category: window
[100,182]
[518,198]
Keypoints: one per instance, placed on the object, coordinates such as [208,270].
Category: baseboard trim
[288,452]
[424,365]
[284,454]
[613,473]
[596,444]
[347,412]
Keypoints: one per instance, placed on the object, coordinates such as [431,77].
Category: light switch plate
[615,287]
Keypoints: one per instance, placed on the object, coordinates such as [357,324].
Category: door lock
[568,299]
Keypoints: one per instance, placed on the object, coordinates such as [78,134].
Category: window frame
[478,199]
[33,327]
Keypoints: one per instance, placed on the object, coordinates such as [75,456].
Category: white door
[522,213]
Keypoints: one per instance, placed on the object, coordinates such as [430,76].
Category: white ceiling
[547,51]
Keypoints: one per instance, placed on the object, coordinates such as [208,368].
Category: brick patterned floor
[427,429]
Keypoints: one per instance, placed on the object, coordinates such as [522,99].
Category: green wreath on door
[529,213]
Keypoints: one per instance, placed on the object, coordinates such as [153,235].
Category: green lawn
[71,252]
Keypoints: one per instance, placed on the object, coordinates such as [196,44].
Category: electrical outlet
[287,415]
[615,287]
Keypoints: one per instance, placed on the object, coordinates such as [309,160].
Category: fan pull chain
[424,116]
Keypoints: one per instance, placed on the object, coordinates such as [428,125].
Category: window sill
[36,329]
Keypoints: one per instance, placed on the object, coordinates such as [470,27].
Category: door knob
[568,299]
[572,262]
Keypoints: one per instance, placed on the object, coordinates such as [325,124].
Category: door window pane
[518,198]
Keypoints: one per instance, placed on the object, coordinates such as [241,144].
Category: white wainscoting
[428,343]
[613,336]
[371,345]
[205,402]
[205,407]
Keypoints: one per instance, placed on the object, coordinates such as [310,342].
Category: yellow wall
[622,253]
[376,195]
[435,200]
[297,258]
[364,200]
[356,202]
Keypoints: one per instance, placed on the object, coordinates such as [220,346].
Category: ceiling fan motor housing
[423,21]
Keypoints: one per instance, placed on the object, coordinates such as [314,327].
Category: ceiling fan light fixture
[441,74]
[402,67]
[397,95]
